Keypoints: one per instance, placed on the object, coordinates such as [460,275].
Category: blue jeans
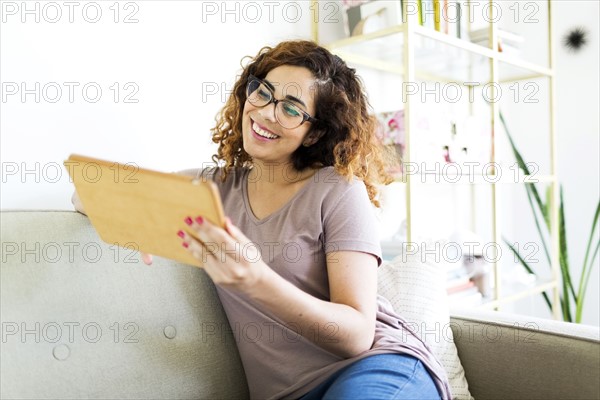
[381,377]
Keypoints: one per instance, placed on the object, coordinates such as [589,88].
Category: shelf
[516,292]
[366,37]
[511,68]
[437,62]
[434,60]
[438,57]
[511,292]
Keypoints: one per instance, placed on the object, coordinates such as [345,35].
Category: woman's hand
[146,258]
[229,257]
[347,321]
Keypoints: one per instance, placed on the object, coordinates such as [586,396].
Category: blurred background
[142,81]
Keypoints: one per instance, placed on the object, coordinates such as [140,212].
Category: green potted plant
[570,297]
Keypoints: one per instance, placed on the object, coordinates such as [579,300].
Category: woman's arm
[344,326]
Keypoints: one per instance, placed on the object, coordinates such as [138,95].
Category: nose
[268,112]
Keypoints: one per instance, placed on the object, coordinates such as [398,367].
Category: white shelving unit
[405,50]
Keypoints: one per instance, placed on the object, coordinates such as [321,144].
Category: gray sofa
[83,319]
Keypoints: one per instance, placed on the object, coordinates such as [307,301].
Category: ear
[312,137]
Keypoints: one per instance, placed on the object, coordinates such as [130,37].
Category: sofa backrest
[84,319]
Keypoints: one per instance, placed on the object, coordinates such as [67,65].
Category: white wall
[577,107]
[183,56]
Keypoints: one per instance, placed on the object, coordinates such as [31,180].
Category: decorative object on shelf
[508,42]
[390,130]
[446,16]
[454,14]
[390,127]
[575,39]
[472,260]
[448,138]
[369,16]
[447,154]
[479,269]
[541,209]
[353,3]
[372,23]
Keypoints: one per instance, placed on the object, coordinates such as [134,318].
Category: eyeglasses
[288,114]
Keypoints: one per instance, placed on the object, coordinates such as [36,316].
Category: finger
[227,245]
[146,258]
[235,232]
[215,239]
[198,249]
[208,232]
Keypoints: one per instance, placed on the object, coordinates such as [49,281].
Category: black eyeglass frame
[305,116]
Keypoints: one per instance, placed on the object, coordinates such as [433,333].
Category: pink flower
[397,125]
[391,129]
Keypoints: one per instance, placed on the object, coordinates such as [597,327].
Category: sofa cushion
[415,286]
[83,319]
[541,358]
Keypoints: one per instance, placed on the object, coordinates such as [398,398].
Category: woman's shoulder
[214,172]
[334,186]
[329,178]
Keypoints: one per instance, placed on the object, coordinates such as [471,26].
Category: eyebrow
[293,98]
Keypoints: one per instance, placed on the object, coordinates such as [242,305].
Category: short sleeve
[206,173]
[350,223]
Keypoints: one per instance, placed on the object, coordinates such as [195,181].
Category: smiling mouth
[263,133]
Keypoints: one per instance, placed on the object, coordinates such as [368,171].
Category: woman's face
[294,84]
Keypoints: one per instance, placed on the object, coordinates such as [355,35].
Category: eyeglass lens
[287,114]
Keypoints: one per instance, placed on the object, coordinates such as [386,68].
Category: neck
[277,173]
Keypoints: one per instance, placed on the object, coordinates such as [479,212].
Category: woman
[297,261]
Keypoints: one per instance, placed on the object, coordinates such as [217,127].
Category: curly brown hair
[345,126]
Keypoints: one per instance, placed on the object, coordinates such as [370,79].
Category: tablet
[142,209]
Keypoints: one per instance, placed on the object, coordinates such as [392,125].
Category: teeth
[262,132]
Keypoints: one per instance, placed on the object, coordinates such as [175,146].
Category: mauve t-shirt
[327,214]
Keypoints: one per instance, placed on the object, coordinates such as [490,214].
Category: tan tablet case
[138,208]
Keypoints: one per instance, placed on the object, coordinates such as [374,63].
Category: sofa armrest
[508,356]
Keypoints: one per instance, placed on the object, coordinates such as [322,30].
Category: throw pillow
[415,286]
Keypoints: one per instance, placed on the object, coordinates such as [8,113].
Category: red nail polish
[180,234]
[188,220]
[199,220]
[184,244]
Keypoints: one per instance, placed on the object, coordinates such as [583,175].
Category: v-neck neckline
[275,213]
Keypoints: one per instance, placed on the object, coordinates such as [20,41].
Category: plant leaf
[562,239]
[537,224]
[587,278]
[542,207]
[548,202]
[528,268]
[583,281]
[531,191]
[564,262]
